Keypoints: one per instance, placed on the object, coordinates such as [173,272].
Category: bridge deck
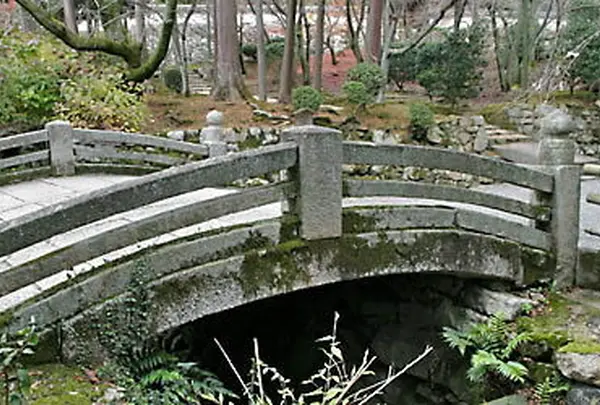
[20,199]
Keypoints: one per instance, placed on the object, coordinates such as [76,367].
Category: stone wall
[526,119]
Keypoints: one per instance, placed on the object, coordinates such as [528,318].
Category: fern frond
[514,343]
[512,371]
[456,339]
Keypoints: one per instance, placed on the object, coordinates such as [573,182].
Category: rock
[332,109]
[176,135]
[214,117]
[254,132]
[463,137]
[262,114]
[583,395]
[481,140]
[509,400]
[435,135]
[494,302]
[580,367]
[472,129]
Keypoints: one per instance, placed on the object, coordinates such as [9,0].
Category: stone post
[304,116]
[62,158]
[556,151]
[318,176]
[212,134]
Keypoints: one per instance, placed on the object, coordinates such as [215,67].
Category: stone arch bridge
[331,228]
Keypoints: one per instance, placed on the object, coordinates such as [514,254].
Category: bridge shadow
[394,317]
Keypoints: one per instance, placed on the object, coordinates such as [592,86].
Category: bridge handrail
[128,234]
[593,198]
[406,189]
[93,136]
[24,139]
[42,224]
[447,159]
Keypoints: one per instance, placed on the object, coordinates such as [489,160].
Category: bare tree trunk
[140,21]
[209,30]
[385,57]
[373,42]
[319,42]
[302,51]
[180,57]
[229,84]
[70,15]
[459,11]
[354,34]
[287,66]
[329,45]
[525,42]
[504,85]
[261,54]
[184,66]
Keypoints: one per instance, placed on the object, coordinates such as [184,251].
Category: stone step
[508,137]
[526,153]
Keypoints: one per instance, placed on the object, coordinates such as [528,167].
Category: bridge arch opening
[393,316]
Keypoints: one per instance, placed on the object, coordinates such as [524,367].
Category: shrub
[172,78]
[306,97]
[274,49]
[421,119]
[250,50]
[581,22]
[14,381]
[404,67]
[370,75]
[357,93]
[101,103]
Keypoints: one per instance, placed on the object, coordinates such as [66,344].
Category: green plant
[149,375]
[160,378]
[370,75]
[357,94]
[101,103]
[172,78]
[491,347]
[274,49]
[15,381]
[421,120]
[581,42]
[306,97]
[249,50]
[551,390]
[404,67]
[334,383]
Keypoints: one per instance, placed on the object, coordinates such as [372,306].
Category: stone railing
[60,150]
[313,158]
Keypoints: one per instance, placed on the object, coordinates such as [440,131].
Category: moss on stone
[494,114]
[275,268]
[5,318]
[289,230]
[354,222]
[581,347]
[57,384]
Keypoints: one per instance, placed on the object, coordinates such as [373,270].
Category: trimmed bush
[356,93]
[370,75]
[250,51]
[421,119]
[172,79]
[306,97]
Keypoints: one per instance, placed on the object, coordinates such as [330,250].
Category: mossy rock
[495,114]
[57,384]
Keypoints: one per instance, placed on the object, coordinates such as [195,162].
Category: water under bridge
[84,213]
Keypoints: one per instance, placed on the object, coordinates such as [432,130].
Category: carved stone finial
[557,124]
[214,118]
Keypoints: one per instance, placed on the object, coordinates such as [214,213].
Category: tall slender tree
[261,53]
[70,15]
[374,23]
[319,44]
[287,67]
[229,82]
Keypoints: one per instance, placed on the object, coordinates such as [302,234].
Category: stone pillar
[556,151]
[62,158]
[303,117]
[212,134]
[318,176]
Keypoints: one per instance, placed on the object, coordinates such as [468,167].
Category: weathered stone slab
[526,235]
[386,218]
[446,159]
[373,188]
[495,302]
[583,395]
[584,368]
[125,196]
